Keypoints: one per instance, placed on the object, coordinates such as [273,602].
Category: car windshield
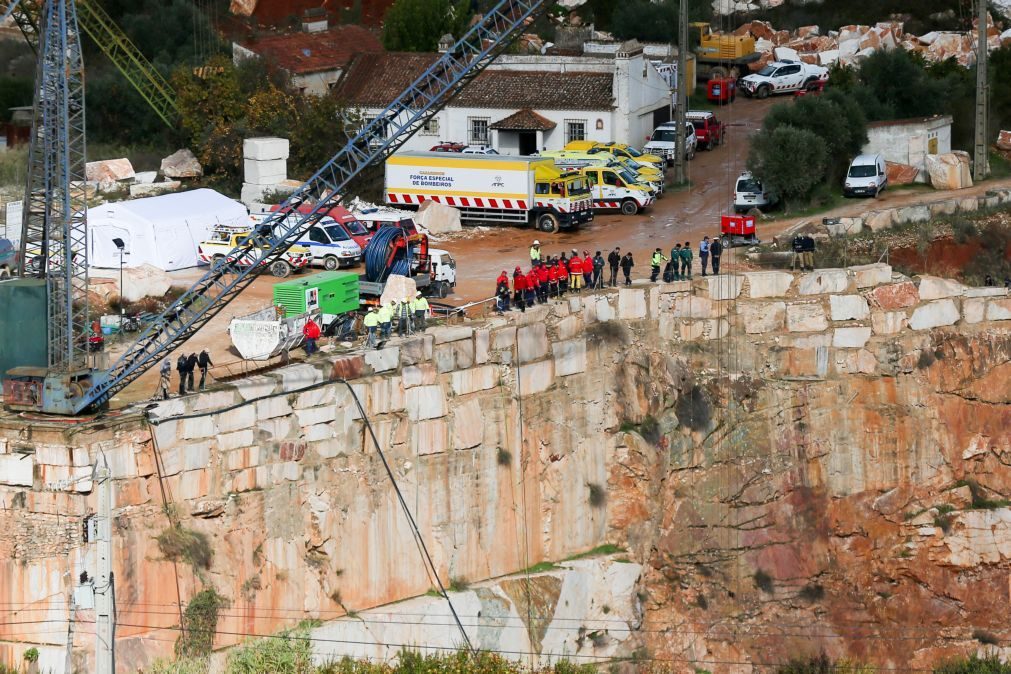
[578,186]
[698,124]
[767,71]
[749,185]
[862,171]
[632,151]
[628,176]
[336,233]
[665,136]
[631,163]
[357,227]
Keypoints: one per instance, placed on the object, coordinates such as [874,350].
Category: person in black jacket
[181,369]
[204,361]
[613,260]
[191,368]
[598,271]
[626,267]
[715,252]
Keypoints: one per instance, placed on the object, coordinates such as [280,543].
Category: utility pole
[105,598]
[980,160]
[680,109]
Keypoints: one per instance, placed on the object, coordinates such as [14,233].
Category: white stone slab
[824,281]
[848,307]
[870,275]
[805,318]
[760,317]
[570,357]
[768,283]
[265,148]
[631,303]
[851,338]
[425,402]
[934,314]
[934,288]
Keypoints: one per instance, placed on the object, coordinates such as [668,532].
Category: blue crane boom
[378,139]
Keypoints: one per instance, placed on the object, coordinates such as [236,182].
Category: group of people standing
[409,313]
[554,276]
[186,366]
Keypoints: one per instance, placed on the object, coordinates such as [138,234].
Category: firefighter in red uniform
[563,275]
[575,272]
[519,287]
[542,283]
[533,288]
[552,279]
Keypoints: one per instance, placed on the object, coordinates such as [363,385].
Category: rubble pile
[850,44]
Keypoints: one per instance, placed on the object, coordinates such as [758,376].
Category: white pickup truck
[782,77]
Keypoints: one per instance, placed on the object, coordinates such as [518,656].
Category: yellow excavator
[721,55]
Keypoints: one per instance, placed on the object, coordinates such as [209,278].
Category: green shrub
[178,543]
[200,623]
[974,664]
[289,651]
[791,161]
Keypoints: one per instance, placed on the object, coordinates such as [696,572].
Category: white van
[749,193]
[867,176]
[663,141]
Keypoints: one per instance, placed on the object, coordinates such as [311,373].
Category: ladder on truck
[377,140]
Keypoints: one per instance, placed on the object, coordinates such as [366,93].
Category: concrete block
[986,292]
[418,375]
[17,470]
[907,214]
[315,415]
[482,339]
[805,317]
[468,425]
[235,419]
[269,408]
[54,455]
[824,281]
[631,303]
[536,377]
[503,339]
[722,286]
[851,338]
[768,283]
[973,310]
[604,310]
[533,342]
[451,333]
[934,314]
[879,220]
[760,317]
[320,396]
[429,437]
[319,432]
[474,379]
[236,440]
[888,322]
[196,455]
[425,402]
[848,307]
[934,288]
[383,360]
[416,349]
[570,357]
[266,172]
[870,275]
[198,427]
[256,386]
[694,306]
[265,148]
[998,310]
[569,327]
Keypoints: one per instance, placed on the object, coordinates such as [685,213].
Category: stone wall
[820,408]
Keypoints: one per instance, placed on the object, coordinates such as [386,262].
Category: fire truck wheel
[547,223]
[725,241]
[280,269]
[330,263]
[629,207]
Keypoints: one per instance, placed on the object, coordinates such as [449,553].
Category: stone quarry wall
[803,426]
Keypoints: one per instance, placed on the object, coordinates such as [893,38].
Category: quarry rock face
[797,472]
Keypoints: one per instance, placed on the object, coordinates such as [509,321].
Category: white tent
[161,231]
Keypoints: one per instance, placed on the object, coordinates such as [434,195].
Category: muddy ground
[482,252]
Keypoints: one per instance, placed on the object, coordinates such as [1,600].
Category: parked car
[663,142]
[749,193]
[445,146]
[708,129]
[782,77]
[8,259]
[479,149]
[867,176]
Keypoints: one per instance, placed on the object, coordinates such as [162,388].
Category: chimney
[314,20]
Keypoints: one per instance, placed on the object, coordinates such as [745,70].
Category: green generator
[329,292]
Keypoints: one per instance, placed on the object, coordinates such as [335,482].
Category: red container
[738,225]
[721,90]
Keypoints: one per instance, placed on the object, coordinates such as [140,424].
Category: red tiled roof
[374,80]
[524,120]
[302,53]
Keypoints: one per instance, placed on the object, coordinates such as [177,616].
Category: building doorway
[528,142]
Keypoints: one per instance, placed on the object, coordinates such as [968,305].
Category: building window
[478,130]
[575,129]
[430,128]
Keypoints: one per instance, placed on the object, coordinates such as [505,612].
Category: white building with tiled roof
[524,104]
